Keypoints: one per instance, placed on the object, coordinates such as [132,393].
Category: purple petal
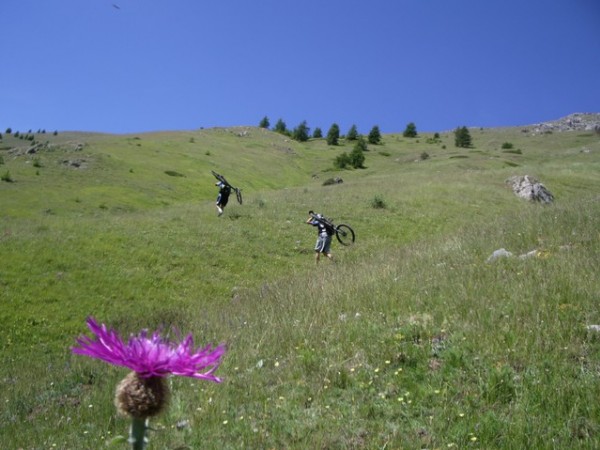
[150,356]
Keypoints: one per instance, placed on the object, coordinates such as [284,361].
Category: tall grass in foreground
[422,346]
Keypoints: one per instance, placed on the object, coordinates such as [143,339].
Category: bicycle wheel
[344,234]
[238,194]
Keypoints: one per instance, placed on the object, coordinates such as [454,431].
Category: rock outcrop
[530,189]
[572,122]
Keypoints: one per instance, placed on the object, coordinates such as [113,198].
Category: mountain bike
[221,178]
[344,234]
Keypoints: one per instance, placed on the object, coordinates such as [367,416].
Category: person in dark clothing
[324,235]
[223,197]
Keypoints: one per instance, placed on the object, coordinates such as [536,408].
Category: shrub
[424,156]
[342,161]
[507,145]
[362,144]
[435,139]
[378,203]
[37,162]
[357,157]
[6,177]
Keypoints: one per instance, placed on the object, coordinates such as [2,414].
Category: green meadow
[411,339]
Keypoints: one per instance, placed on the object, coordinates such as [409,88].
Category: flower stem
[137,433]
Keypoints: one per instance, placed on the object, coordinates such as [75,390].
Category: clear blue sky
[154,65]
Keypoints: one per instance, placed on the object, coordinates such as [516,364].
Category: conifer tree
[374,135]
[357,157]
[280,127]
[362,143]
[410,131]
[300,133]
[462,137]
[333,135]
[352,133]
[264,123]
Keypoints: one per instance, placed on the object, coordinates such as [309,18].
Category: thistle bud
[140,397]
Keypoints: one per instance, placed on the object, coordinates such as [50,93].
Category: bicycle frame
[344,234]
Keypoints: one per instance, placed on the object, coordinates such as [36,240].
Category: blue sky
[186,64]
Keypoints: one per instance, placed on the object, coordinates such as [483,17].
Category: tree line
[29,136]
[301,133]
[356,157]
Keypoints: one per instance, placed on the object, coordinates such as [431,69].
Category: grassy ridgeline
[410,340]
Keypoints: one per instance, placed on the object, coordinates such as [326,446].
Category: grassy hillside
[410,340]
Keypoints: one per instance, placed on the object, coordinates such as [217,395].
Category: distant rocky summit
[572,122]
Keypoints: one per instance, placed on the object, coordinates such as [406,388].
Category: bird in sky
[116,6]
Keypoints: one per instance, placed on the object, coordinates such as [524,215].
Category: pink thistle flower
[150,356]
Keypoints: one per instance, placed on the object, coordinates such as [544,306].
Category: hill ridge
[573,122]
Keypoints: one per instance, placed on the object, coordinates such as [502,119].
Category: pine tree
[462,137]
[318,133]
[280,127]
[300,133]
[352,133]
[374,135]
[410,131]
[357,157]
[362,144]
[333,135]
[264,123]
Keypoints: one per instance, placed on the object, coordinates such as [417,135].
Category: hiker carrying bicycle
[224,191]
[325,234]
[223,197]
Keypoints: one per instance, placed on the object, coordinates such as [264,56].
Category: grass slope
[411,340]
